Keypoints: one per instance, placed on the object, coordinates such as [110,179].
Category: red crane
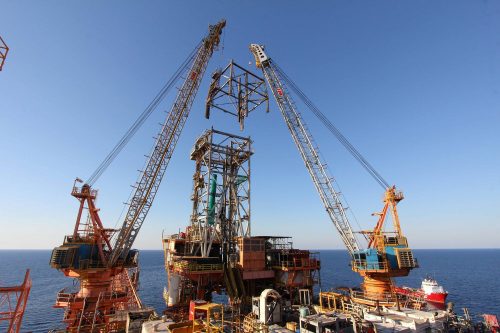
[101,258]
[13,302]
[387,254]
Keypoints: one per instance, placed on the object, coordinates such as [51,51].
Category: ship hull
[432,297]
[436,297]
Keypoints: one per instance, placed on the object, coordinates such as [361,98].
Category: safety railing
[379,297]
[363,265]
[195,267]
[64,296]
[300,263]
[77,191]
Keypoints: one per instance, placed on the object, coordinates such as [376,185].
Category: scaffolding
[237,92]
[199,260]
[221,192]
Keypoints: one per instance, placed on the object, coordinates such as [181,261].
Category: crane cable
[334,130]
[142,117]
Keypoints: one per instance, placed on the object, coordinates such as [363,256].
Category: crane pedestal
[101,302]
[377,287]
[94,283]
[376,291]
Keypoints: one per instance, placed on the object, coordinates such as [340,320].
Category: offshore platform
[217,251]
[269,285]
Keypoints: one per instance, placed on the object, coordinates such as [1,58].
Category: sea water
[472,278]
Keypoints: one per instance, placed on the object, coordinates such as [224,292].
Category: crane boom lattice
[309,151]
[150,179]
[388,254]
[102,260]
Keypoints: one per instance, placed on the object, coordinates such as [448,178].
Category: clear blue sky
[415,85]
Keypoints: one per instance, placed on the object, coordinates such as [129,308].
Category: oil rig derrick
[199,260]
[216,252]
[13,301]
[221,193]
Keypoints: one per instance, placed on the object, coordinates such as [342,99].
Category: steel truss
[236,91]
[221,193]
[13,303]
[309,151]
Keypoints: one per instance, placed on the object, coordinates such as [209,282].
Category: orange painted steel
[103,292]
[93,230]
[13,302]
[101,298]
[391,199]
[106,290]
[378,282]
[377,264]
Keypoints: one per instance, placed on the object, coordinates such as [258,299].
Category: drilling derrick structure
[221,194]
[199,260]
[387,254]
[217,250]
[102,259]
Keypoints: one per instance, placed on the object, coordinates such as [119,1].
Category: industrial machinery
[217,251]
[197,260]
[102,259]
[4,49]
[13,301]
[387,254]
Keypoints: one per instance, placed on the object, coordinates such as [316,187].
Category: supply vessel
[430,290]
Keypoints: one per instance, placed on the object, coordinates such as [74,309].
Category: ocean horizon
[469,275]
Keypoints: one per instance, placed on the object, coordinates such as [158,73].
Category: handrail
[194,267]
[78,190]
[387,297]
[298,263]
[362,264]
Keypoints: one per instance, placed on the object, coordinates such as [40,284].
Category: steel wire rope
[142,117]
[334,130]
[296,89]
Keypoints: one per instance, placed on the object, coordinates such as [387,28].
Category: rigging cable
[142,118]
[334,130]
